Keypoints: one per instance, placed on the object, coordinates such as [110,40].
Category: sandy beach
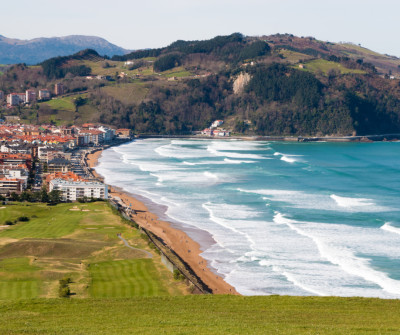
[176,239]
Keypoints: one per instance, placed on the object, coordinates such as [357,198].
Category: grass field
[177,72]
[45,221]
[18,279]
[65,104]
[127,278]
[127,93]
[293,56]
[201,315]
[78,241]
[325,66]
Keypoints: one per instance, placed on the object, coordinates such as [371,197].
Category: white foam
[287,158]
[389,227]
[210,175]
[225,215]
[344,258]
[234,145]
[230,154]
[174,151]
[300,199]
[234,161]
[351,202]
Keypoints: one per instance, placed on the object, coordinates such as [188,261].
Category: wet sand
[176,239]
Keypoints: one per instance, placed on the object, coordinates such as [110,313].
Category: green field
[324,66]
[18,279]
[178,72]
[62,104]
[127,93]
[201,315]
[77,241]
[121,279]
[293,56]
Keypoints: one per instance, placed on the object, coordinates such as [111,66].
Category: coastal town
[37,157]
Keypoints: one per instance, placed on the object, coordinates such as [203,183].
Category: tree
[44,196]
[54,197]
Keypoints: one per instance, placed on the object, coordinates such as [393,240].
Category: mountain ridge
[34,51]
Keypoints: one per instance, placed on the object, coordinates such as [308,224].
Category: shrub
[63,290]
[9,223]
[178,275]
[23,219]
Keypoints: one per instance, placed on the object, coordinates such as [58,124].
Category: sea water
[285,218]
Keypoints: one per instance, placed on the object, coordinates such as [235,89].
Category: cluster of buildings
[216,130]
[43,155]
[31,95]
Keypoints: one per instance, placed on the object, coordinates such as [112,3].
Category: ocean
[285,218]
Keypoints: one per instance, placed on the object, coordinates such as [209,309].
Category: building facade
[59,89]
[30,96]
[44,94]
[74,190]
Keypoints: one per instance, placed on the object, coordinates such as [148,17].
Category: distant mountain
[14,51]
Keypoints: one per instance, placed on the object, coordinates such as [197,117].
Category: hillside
[14,51]
[268,85]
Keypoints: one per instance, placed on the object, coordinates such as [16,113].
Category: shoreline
[176,239]
[361,138]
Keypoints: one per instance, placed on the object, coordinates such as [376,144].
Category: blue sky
[155,23]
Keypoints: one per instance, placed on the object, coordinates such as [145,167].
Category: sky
[142,24]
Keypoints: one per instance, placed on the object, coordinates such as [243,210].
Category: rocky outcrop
[240,82]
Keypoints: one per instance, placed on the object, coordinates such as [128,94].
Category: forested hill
[268,85]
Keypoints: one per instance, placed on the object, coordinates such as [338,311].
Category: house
[69,176]
[129,62]
[12,118]
[74,190]
[44,94]
[123,133]
[13,99]
[58,165]
[16,159]
[30,96]
[207,131]
[10,185]
[222,133]
[216,123]
[59,89]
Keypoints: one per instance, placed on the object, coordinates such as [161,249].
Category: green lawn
[127,278]
[201,315]
[18,279]
[50,221]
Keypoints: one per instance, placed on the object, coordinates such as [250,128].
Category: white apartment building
[73,190]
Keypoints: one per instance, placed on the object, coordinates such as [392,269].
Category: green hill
[188,84]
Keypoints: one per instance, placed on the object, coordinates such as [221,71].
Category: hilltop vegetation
[297,86]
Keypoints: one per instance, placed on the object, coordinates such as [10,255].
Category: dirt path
[149,255]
